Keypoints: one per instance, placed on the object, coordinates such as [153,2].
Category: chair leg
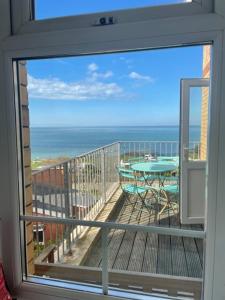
[168,204]
[143,199]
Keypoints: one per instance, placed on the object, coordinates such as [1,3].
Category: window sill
[54,289]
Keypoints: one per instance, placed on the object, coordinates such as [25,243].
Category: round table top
[154,167]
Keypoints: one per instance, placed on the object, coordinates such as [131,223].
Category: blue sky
[57,8]
[136,88]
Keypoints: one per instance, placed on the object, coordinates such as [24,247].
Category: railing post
[103,174]
[105,274]
[118,158]
[67,203]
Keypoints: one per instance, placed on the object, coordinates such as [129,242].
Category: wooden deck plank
[122,255]
[150,253]
[138,249]
[179,263]
[83,246]
[192,256]
[116,237]
[164,262]
[94,260]
[151,249]
[199,243]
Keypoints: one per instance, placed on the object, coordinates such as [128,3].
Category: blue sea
[52,142]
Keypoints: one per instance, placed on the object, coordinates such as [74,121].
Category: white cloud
[57,89]
[94,75]
[137,76]
[97,75]
[92,67]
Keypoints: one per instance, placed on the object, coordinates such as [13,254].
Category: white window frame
[162,33]
[24,15]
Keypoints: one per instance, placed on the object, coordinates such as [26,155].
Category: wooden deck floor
[150,252]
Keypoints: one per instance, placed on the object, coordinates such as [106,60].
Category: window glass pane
[51,9]
[194,123]
[100,136]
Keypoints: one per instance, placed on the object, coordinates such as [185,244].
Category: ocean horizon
[53,142]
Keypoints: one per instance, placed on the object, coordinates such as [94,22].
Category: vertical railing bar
[42,193]
[57,241]
[98,162]
[34,192]
[93,185]
[70,170]
[139,150]
[37,238]
[85,186]
[36,225]
[118,159]
[63,237]
[61,190]
[82,189]
[56,195]
[123,146]
[94,179]
[49,192]
[108,161]
[105,274]
[75,188]
[193,155]
[89,185]
[99,190]
[50,200]
[79,191]
[95,157]
[103,174]
[67,204]
[87,189]
[129,149]
[106,164]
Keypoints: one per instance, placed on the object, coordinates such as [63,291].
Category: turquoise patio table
[154,167]
[171,159]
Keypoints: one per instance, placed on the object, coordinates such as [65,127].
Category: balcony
[154,254]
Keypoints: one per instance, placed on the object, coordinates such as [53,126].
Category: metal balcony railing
[77,188]
[80,187]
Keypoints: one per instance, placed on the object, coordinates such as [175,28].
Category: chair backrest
[136,159]
[125,173]
[131,175]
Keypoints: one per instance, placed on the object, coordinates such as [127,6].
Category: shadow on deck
[149,252]
[145,262]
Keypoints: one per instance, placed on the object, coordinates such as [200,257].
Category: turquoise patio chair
[167,195]
[136,159]
[135,188]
